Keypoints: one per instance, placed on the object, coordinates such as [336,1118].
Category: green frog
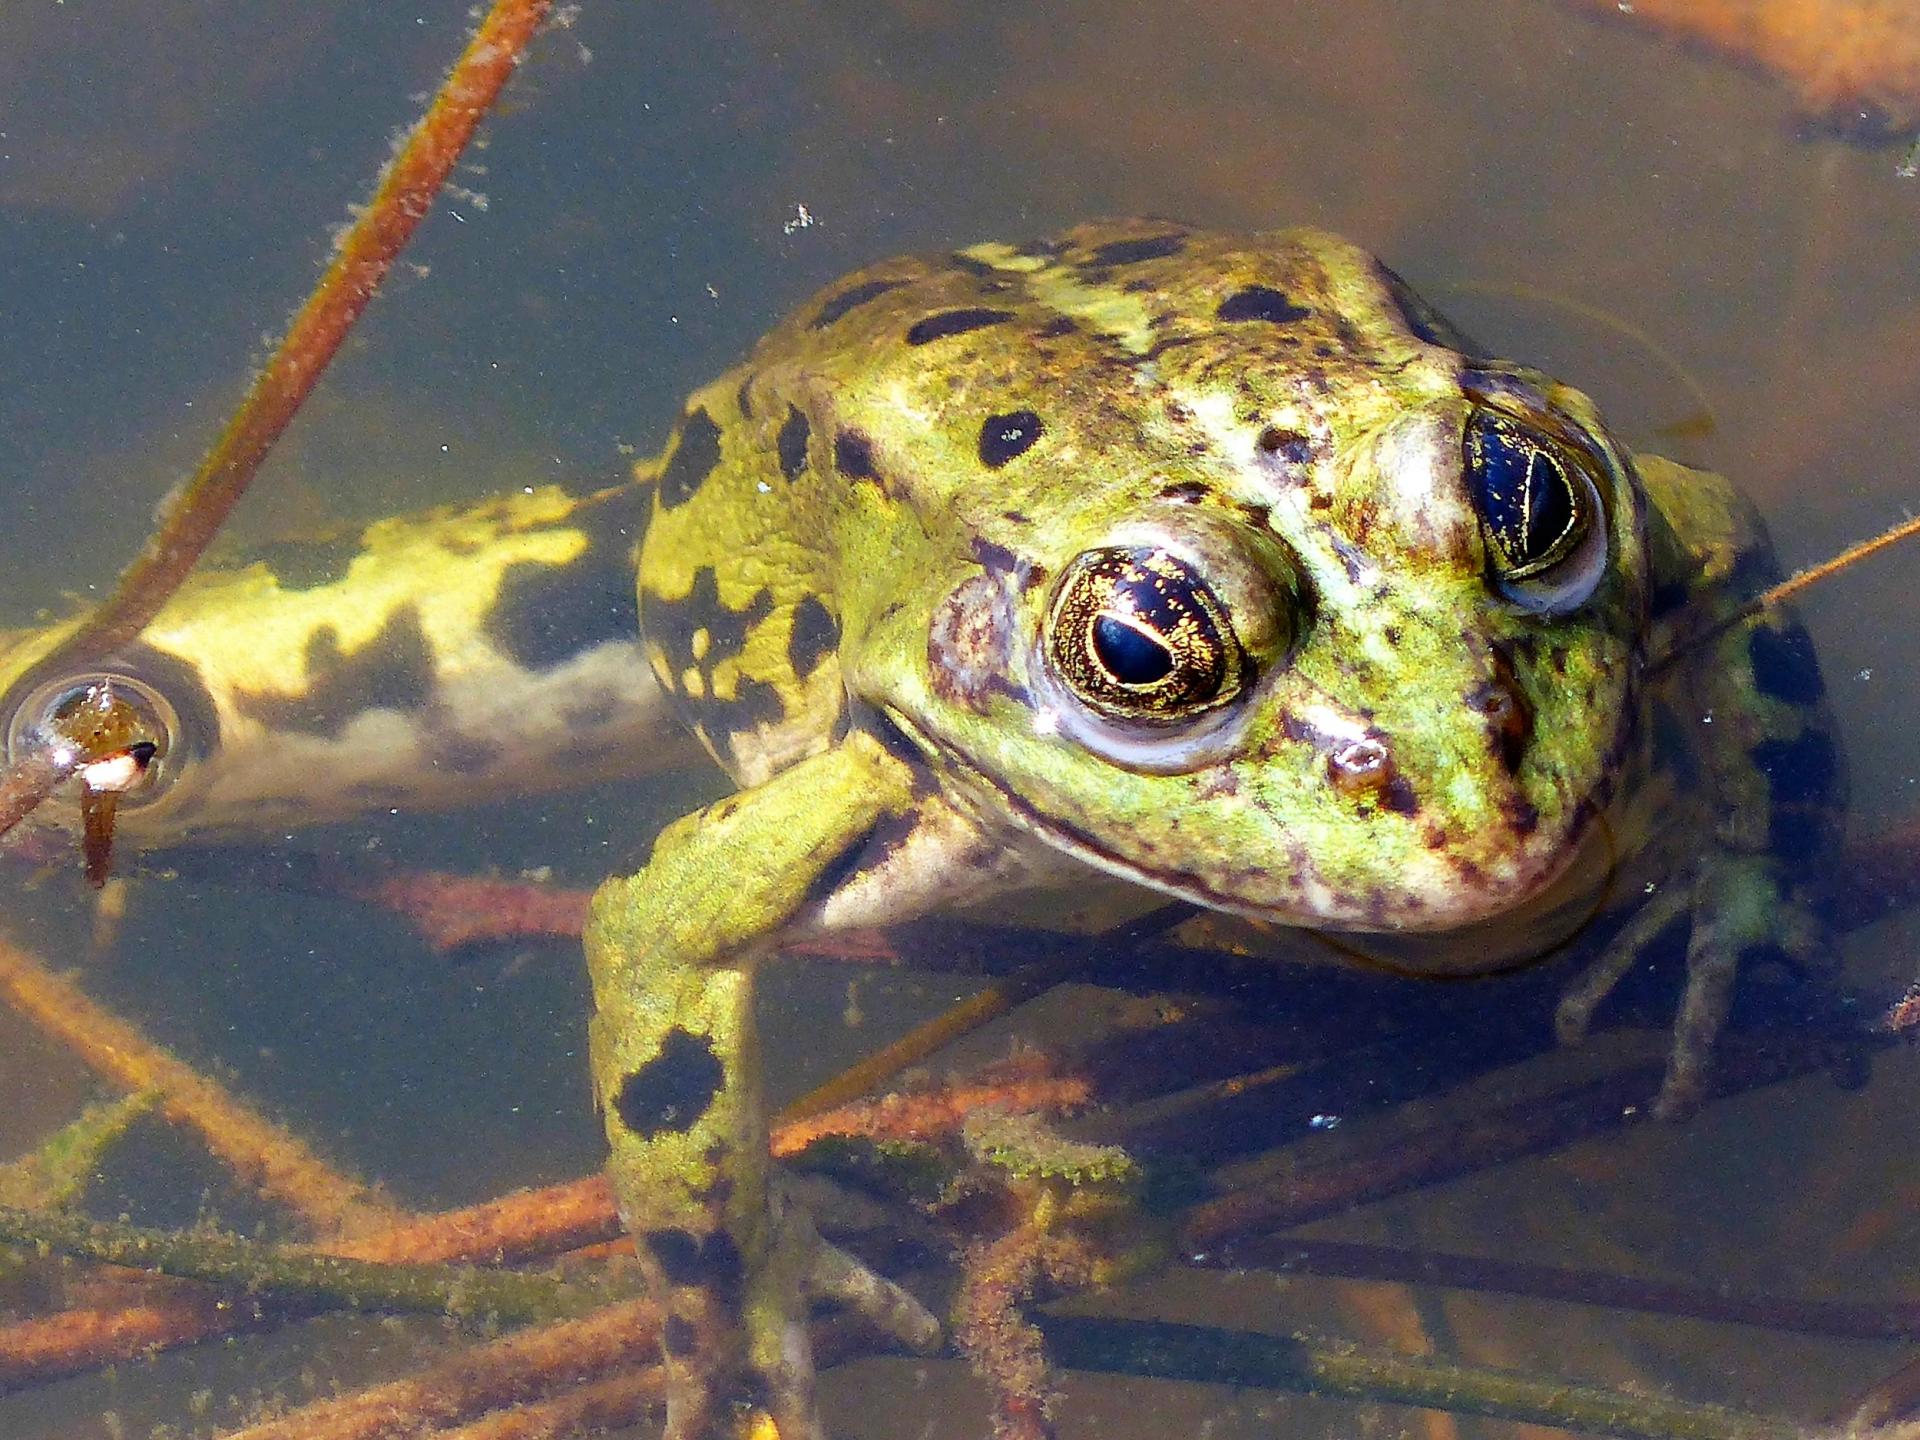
[1213,565]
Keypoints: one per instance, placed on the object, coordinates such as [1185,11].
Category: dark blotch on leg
[670,1093]
[549,613]
[308,565]
[954,322]
[814,634]
[392,671]
[679,1336]
[1784,665]
[712,1261]
[792,443]
[1800,771]
[1258,302]
[1795,835]
[693,459]
[1003,437]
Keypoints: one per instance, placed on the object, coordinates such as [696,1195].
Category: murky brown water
[1652,225]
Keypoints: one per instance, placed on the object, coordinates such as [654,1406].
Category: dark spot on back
[954,322]
[1055,328]
[1420,318]
[792,443]
[1258,302]
[1003,437]
[846,300]
[853,455]
[392,671]
[307,565]
[1799,771]
[671,1092]
[814,635]
[693,459]
[1784,665]
[1397,795]
[1185,492]
[1129,252]
[968,265]
[743,397]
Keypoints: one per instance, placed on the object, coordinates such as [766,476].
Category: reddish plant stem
[31,778]
[401,200]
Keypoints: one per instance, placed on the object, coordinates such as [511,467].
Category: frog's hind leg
[1763,767]
[672,952]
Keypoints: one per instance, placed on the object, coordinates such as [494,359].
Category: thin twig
[402,198]
[477,1380]
[1356,1261]
[262,1153]
[302,1275]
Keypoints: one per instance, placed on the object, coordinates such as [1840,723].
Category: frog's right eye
[1540,513]
[1138,636]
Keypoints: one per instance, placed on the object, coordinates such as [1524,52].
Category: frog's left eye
[1539,510]
[1138,635]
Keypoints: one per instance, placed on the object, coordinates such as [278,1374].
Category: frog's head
[1351,641]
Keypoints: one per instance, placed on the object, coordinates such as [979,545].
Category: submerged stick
[263,1154]
[1308,1366]
[402,198]
[302,1276]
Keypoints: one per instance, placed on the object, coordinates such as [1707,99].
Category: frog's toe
[835,1275]
[1574,1015]
[1741,909]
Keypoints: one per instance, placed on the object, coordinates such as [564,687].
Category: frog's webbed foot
[1740,908]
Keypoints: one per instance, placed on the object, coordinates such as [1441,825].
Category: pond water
[662,183]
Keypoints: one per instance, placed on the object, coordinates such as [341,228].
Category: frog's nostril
[1508,717]
[1359,766]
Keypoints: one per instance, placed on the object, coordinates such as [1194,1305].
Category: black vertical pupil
[1130,655]
[1524,494]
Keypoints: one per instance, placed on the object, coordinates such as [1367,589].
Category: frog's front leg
[672,952]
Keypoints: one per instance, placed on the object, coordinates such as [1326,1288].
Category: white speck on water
[1323,1122]
[802,219]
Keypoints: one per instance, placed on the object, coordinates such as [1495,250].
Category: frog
[1216,568]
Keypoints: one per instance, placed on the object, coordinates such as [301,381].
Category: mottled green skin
[845,586]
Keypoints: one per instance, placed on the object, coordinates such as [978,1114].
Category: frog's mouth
[1529,870]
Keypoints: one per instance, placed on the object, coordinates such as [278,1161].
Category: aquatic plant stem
[301,1275]
[31,778]
[1307,1366]
[260,1152]
[485,1377]
[402,198]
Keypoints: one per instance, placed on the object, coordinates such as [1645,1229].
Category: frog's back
[871,434]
